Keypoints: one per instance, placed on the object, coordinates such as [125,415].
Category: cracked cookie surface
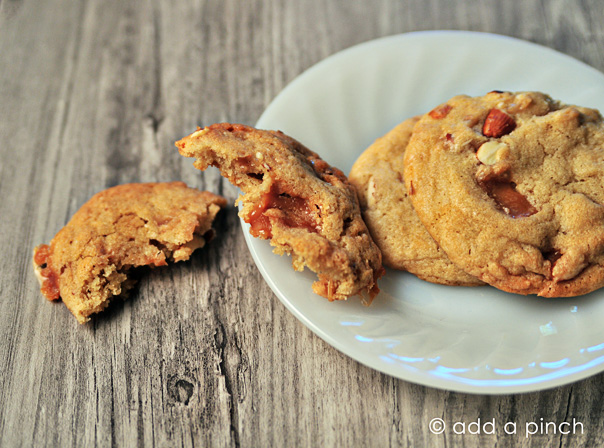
[510,186]
[306,207]
[124,227]
[405,243]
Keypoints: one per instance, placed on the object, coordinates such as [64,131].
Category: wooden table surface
[93,94]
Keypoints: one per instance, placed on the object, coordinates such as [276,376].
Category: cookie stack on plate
[506,189]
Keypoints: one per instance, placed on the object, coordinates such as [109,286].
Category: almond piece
[371,192]
[440,111]
[490,153]
[497,124]
[508,199]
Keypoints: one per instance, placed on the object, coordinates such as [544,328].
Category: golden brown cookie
[304,206]
[510,186]
[405,244]
[124,227]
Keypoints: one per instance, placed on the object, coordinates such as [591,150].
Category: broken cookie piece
[306,207]
[124,227]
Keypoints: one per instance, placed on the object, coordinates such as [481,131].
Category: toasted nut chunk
[491,152]
[440,111]
[498,124]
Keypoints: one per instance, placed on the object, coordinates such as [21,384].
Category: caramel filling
[374,291]
[505,195]
[50,284]
[295,213]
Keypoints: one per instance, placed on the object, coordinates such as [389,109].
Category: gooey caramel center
[295,213]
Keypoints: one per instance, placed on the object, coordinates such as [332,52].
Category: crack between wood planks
[570,394]
[140,428]
[156,115]
[113,437]
[444,432]
[221,344]
[96,388]
[395,412]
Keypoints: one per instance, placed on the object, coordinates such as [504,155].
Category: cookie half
[510,186]
[405,243]
[306,207]
[127,226]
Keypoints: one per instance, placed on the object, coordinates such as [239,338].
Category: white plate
[477,340]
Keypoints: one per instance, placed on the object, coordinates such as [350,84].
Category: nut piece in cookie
[405,243]
[124,227]
[304,206]
[510,187]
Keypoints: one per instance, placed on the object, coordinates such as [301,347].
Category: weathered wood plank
[93,94]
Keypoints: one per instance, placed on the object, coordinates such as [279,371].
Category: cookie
[510,186]
[127,226]
[307,208]
[405,243]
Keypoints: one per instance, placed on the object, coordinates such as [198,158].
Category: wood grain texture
[93,94]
